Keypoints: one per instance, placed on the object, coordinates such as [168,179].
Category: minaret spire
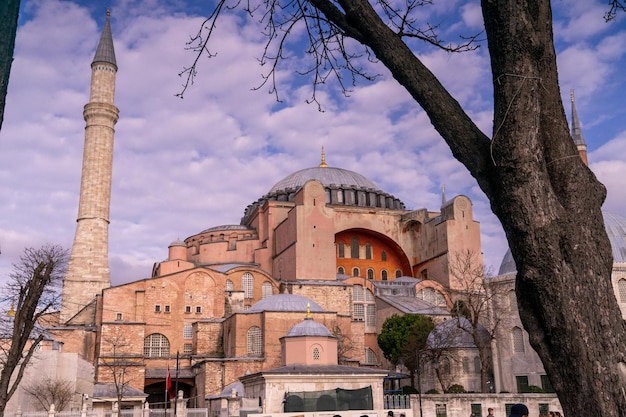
[577,132]
[88,269]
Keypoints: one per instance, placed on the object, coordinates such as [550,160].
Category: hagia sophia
[324,257]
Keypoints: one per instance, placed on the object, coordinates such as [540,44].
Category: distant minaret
[88,269]
[577,132]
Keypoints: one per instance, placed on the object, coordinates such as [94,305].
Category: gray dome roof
[454,333]
[309,327]
[615,228]
[342,187]
[285,302]
[327,176]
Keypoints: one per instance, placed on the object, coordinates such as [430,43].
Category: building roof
[105,52]
[285,302]
[454,333]
[109,390]
[309,327]
[413,305]
[615,226]
[327,176]
[298,369]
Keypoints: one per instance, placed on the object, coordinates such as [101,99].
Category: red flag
[168,384]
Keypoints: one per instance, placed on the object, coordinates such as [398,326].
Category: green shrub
[456,389]
[407,389]
[432,391]
[534,389]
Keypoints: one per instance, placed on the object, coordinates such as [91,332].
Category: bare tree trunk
[547,200]
[9,11]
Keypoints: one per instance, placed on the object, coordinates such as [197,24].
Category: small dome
[285,302]
[615,226]
[309,327]
[177,242]
[327,176]
[455,333]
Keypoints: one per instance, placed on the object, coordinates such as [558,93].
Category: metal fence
[396,401]
[147,412]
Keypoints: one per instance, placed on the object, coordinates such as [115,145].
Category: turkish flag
[168,385]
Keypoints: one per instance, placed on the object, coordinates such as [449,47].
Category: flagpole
[168,385]
[176,385]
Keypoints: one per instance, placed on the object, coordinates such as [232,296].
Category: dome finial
[11,311]
[323,163]
[308,311]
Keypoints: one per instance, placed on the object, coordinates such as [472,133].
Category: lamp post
[419,381]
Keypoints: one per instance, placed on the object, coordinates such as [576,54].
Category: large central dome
[343,187]
[327,176]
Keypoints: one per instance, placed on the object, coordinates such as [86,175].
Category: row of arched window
[247,286]
[356,272]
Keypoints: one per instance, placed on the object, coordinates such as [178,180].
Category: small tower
[577,132]
[88,268]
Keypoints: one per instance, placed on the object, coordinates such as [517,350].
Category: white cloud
[181,166]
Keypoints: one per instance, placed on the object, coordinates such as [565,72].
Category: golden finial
[11,311]
[308,310]
[323,163]
[571,95]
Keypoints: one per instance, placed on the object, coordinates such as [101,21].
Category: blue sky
[184,165]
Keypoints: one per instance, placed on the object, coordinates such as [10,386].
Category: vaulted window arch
[266,290]
[621,288]
[255,341]
[517,335]
[156,345]
[247,283]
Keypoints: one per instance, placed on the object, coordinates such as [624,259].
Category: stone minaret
[577,132]
[88,269]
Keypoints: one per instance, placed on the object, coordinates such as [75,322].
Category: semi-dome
[615,226]
[285,302]
[309,327]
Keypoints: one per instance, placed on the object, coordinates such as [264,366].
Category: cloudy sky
[184,165]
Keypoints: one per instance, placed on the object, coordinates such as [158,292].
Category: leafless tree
[33,288]
[439,356]
[345,345]
[116,360]
[475,302]
[48,391]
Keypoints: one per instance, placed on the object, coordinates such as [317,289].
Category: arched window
[398,273]
[368,251]
[247,283]
[266,290]
[383,255]
[341,248]
[370,357]
[229,285]
[383,275]
[341,271]
[255,341]
[156,346]
[316,354]
[621,288]
[477,366]
[354,248]
[518,340]
[445,366]
[466,367]
[512,300]
[355,272]
[370,273]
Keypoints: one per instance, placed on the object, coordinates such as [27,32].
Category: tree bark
[9,11]
[547,200]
